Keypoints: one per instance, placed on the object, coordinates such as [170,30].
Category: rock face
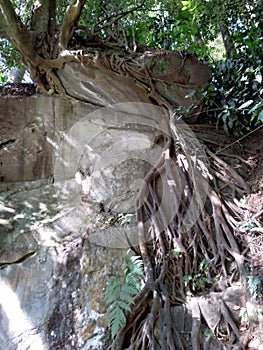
[155,76]
[70,171]
[67,169]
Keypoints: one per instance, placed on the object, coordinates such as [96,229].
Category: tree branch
[18,34]
[3,33]
[52,16]
[44,17]
[229,48]
[116,17]
[70,21]
[11,21]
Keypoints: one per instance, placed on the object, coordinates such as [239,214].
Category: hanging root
[193,226]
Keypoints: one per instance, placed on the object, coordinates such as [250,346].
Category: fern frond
[124,305]
[127,292]
[117,320]
[133,265]
[113,287]
[133,280]
[120,292]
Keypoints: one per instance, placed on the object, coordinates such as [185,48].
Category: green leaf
[260,116]
[176,254]
[245,104]
[256,106]
[230,123]
[127,292]
[124,305]
[259,77]
[117,320]
[187,279]
[191,94]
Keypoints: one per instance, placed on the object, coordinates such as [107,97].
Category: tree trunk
[229,48]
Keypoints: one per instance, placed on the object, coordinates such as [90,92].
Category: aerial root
[190,250]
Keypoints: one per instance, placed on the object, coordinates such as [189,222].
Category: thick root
[193,246]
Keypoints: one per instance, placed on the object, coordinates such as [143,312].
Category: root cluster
[187,240]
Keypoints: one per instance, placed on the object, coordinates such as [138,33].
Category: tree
[197,246]
[238,78]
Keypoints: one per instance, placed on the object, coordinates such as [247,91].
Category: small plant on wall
[121,290]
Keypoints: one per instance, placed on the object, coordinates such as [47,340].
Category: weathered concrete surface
[61,161]
[67,168]
[53,299]
[31,130]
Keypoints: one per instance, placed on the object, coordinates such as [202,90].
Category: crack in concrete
[6,143]
[18,261]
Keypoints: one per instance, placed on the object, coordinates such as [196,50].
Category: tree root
[190,250]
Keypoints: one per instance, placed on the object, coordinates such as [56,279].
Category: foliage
[235,98]
[118,220]
[121,290]
[122,219]
[237,93]
[200,280]
[249,314]
[208,334]
[9,58]
[248,226]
